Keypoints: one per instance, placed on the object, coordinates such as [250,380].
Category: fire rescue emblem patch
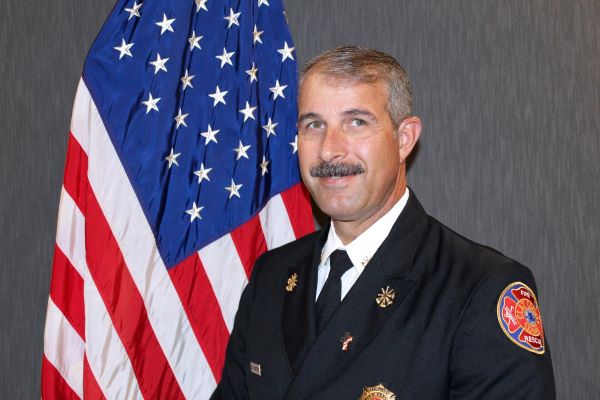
[520,319]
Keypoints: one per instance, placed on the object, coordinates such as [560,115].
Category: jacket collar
[399,248]
[299,318]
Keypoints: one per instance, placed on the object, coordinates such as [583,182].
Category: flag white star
[210,135]
[233,189]
[256,35]
[248,112]
[134,11]
[278,90]
[241,151]
[124,49]
[159,64]
[180,119]
[202,173]
[252,72]
[187,80]
[225,57]
[233,18]
[201,5]
[294,145]
[270,127]
[286,52]
[172,158]
[151,103]
[165,24]
[261,2]
[263,166]
[194,212]
[218,96]
[195,41]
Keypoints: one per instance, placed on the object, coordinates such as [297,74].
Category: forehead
[320,91]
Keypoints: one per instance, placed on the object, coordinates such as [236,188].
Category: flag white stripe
[81,117]
[106,355]
[227,284]
[70,232]
[135,239]
[64,348]
[276,224]
[102,342]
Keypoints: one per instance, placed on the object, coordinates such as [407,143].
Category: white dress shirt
[361,249]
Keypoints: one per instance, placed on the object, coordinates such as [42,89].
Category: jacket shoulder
[297,251]
[476,257]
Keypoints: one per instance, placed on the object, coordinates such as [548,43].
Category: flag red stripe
[203,310]
[249,241]
[75,179]
[126,307]
[91,389]
[297,204]
[53,384]
[66,291]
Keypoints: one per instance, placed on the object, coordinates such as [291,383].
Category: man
[384,302]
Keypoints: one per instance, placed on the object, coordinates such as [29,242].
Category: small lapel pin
[386,297]
[346,340]
[365,261]
[292,282]
[255,368]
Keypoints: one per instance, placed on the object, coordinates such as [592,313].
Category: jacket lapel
[298,319]
[359,314]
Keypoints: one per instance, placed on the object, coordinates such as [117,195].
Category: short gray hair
[362,65]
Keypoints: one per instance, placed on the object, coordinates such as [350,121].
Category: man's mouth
[337,170]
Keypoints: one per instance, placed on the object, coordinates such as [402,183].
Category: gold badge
[378,392]
[386,297]
[292,282]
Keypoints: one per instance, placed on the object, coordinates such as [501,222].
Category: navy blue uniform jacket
[439,339]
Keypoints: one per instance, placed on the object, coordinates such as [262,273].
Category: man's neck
[347,231]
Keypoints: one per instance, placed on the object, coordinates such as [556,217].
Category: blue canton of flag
[199,100]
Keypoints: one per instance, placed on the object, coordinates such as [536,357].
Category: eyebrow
[348,113]
[309,115]
[359,111]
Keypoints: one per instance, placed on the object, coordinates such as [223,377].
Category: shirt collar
[361,249]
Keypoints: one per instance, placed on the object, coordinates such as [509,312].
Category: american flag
[181,170]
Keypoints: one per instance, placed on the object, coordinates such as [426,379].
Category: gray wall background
[509,93]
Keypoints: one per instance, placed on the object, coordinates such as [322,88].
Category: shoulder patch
[520,319]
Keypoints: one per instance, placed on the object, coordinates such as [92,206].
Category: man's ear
[408,135]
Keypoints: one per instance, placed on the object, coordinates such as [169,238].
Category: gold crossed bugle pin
[292,282]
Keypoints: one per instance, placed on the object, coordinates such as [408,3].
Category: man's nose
[333,145]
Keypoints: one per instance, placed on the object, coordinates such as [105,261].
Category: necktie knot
[339,263]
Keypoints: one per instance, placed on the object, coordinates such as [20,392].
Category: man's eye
[358,122]
[315,125]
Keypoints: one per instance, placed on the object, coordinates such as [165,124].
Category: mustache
[329,170]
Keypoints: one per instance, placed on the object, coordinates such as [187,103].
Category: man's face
[344,129]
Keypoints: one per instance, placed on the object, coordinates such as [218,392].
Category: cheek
[380,158]
[303,161]
[307,153]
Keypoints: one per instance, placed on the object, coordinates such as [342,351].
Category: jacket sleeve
[485,362]
[233,380]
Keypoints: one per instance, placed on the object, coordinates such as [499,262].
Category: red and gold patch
[520,319]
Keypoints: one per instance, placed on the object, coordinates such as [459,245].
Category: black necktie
[330,295]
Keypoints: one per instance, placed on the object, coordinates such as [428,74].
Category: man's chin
[337,211]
